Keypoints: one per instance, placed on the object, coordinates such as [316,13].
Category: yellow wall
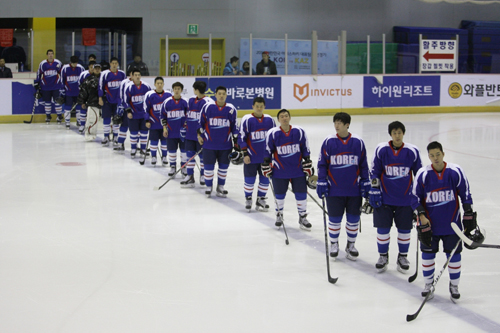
[190,51]
[44,29]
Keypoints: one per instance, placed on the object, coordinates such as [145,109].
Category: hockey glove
[469,221]
[375,196]
[425,234]
[120,111]
[60,100]
[367,208]
[365,187]
[322,188]
[164,122]
[128,111]
[117,119]
[36,85]
[183,133]
[266,168]
[236,146]
[307,167]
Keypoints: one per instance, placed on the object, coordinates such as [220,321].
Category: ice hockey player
[137,116]
[435,194]
[217,133]
[173,117]
[81,115]
[287,160]
[70,75]
[109,97]
[394,165]
[121,119]
[88,98]
[343,180]
[252,142]
[153,102]
[192,145]
[48,80]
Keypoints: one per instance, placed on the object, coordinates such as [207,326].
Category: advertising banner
[470,90]
[397,91]
[322,92]
[242,90]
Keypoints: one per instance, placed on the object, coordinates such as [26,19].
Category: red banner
[88,36]
[6,36]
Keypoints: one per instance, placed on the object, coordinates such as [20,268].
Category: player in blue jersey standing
[192,145]
[70,75]
[392,170]
[343,180]
[109,98]
[435,194]
[287,160]
[48,80]
[252,142]
[153,102]
[135,93]
[121,119]
[217,133]
[173,117]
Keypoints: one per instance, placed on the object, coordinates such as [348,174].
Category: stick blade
[332,280]
[412,278]
[156,188]
[411,317]
[27,122]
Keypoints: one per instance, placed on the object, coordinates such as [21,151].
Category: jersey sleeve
[377,165]
[100,90]
[363,164]
[304,145]
[234,123]
[323,161]
[270,146]
[243,133]
[463,188]
[417,191]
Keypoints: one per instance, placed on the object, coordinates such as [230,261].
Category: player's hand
[148,124]
[101,102]
[375,197]
[322,188]
[469,221]
[425,234]
[165,133]
[246,160]
[84,106]
[266,168]
[200,140]
[365,187]
[307,167]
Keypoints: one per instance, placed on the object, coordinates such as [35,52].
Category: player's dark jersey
[219,125]
[174,111]
[152,104]
[252,135]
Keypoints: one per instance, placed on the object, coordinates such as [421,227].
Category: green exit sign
[192,29]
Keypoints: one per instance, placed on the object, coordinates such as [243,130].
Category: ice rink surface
[87,245]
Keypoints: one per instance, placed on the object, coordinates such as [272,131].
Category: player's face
[397,137]
[2,62]
[265,57]
[136,77]
[114,65]
[97,71]
[221,96]
[258,109]
[436,156]
[50,56]
[284,119]
[91,69]
[159,85]
[341,128]
[177,91]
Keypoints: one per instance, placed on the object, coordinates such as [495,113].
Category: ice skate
[304,223]
[403,263]
[188,181]
[261,204]
[48,118]
[220,191]
[153,160]
[454,293]
[105,141]
[164,161]
[248,204]
[334,249]
[133,152]
[279,220]
[350,251]
[208,192]
[382,263]
[428,289]
[119,149]
[172,171]
[202,180]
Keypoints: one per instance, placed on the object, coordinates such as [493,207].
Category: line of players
[282,154]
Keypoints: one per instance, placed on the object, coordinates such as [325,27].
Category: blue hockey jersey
[193,115]
[49,75]
[174,111]
[134,98]
[152,104]
[70,77]
[219,125]
[109,85]
[252,136]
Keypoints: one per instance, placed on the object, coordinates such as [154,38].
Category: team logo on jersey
[193,115]
[177,114]
[50,72]
[438,197]
[157,107]
[258,136]
[455,90]
[343,160]
[219,122]
[137,99]
[301,92]
[396,171]
[288,150]
[114,84]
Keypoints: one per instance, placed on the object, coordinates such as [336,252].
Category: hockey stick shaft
[330,279]
[414,276]
[173,176]
[413,316]
[32,113]
[470,242]
[145,154]
[279,210]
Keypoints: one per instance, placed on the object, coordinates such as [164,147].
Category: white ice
[93,248]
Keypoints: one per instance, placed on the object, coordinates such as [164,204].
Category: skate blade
[403,271]
[304,228]
[381,270]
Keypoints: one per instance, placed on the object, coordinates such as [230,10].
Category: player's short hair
[177,84]
[92,63]
[158,78]
[434,145]
[233,59]
[220,88]
[259,100]
[73,59]
[396,125]
[113,59]
[135,70]
[282,111]
[343,117]
[49,50]
[92,56]
[201,86]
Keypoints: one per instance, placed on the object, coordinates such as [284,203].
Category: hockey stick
[330,279]
[145,154]
[414,276]
[173,176]
[32,113]
[470,242]
[411,317]
[277,207]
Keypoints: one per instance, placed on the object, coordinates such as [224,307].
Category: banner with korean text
[470,90]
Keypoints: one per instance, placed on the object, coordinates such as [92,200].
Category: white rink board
[5,97]
[486,89]
[321,92]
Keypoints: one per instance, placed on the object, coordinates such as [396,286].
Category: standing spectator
[266,66]
[232,67]
[5,72]
[15,54]
[138,64]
